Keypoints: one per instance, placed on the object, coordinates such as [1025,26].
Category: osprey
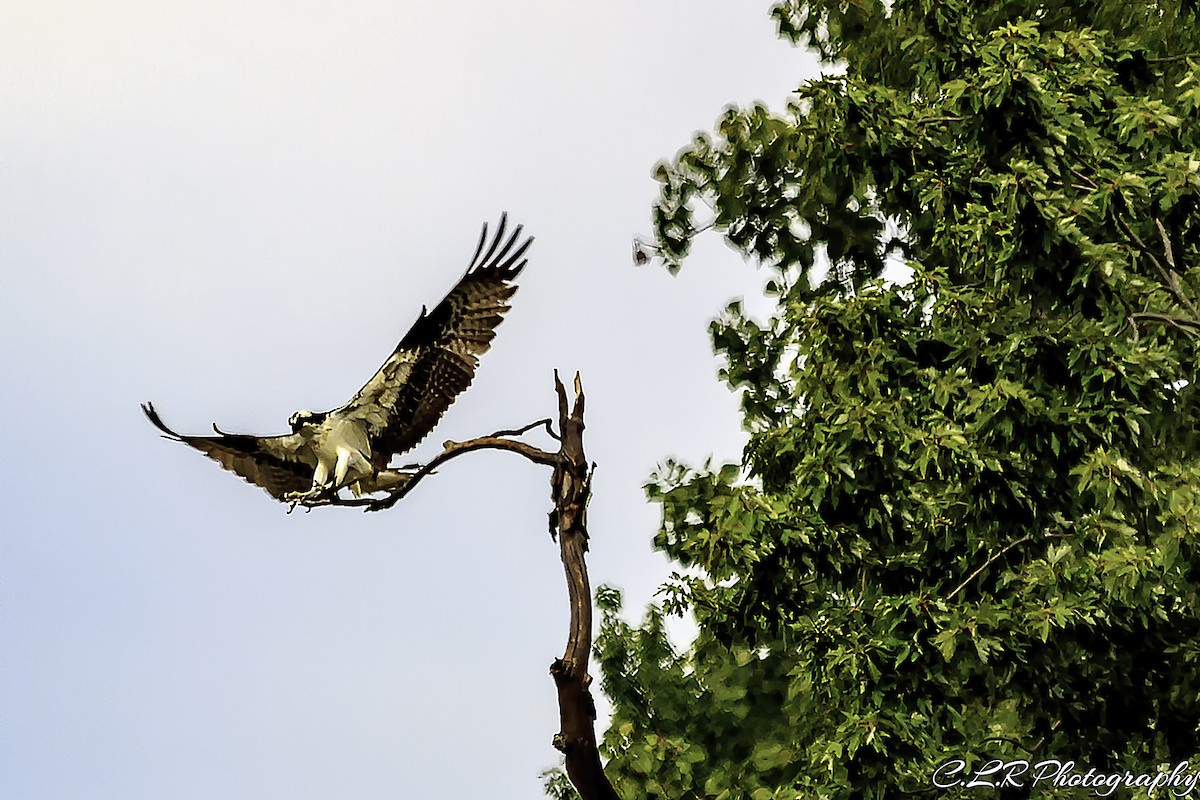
[352,446]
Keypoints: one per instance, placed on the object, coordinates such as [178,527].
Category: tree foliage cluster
[967,521]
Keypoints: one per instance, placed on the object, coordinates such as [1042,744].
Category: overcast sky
[235,209]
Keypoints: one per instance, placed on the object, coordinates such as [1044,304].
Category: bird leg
[319,493]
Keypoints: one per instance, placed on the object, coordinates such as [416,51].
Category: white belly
[343,455]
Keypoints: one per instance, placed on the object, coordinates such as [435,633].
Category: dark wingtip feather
[156,420]
[480,264]
[497,262]
[500,258]
[478,247]
[506,270]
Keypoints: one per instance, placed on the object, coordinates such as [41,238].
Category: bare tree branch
[495,441]
[571,489]
[452,450]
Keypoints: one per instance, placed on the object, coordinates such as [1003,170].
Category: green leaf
[967,508]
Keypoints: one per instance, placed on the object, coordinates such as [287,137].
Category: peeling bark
[572,487]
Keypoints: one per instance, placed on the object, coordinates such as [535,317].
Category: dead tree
[570,486]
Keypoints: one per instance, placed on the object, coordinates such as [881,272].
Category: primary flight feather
[352,446]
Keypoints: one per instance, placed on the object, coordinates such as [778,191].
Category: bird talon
[312,497]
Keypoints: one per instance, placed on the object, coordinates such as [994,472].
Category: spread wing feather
[436,359]
[278,464]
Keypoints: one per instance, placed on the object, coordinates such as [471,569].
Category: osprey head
[302,418]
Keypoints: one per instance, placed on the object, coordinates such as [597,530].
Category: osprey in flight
[352,446]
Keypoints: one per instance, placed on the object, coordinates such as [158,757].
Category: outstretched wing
[279,464]
[436,359]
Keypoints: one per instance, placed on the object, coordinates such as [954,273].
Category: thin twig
[1167,59]
[1090,183]
[998,555]
[1188,326]
[541,422]
[930,120]
[1133,328]
[1166,240]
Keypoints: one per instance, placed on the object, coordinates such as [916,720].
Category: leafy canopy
[967,518]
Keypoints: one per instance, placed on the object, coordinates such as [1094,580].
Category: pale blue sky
[234,209]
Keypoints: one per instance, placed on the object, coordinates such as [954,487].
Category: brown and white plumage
[396,408]
[281,465]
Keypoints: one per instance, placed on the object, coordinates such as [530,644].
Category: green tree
[967,519]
